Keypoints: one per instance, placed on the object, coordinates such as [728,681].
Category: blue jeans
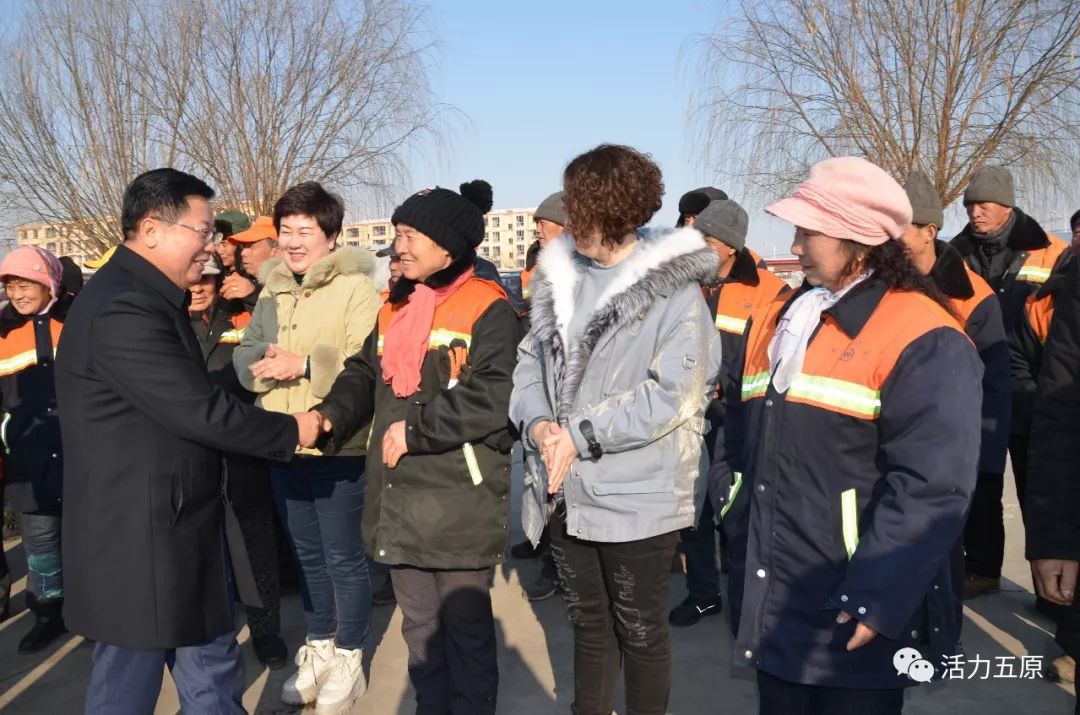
[209,678]
[41,539]
[321,501]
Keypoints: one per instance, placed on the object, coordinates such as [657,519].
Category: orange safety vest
[1040,263]
[739,300]
[233,336]
[526,279]
[18,349]
[454,319]
[1040,312]
[841,374]
[964,307]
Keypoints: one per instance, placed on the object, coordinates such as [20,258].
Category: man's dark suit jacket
[145,563]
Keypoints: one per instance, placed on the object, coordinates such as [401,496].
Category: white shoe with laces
[314,660]
[344,684]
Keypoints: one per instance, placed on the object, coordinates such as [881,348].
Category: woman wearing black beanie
[434,381]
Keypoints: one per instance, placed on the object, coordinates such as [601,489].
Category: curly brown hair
[610,192]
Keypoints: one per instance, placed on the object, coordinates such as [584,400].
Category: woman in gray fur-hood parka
[641,375]
[609,395]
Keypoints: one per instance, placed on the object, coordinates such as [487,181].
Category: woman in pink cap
[30,326]
[848,460]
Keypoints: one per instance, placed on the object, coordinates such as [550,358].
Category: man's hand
[236,287]
[280,365]
[558,452]
[309,426]
[863,633]
[393,444]
[1055,579]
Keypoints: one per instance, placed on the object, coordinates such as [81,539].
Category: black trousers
[779,697]
[260,538]
[616,597]
[984,532]
[450,632]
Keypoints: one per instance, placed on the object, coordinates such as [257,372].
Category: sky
[536,83]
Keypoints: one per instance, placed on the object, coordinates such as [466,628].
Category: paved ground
[536,652]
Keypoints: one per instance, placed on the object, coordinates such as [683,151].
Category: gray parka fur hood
[662,263]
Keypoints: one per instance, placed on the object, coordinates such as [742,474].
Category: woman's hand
[236,287]
[558,452]
[280,365]
[393,444]
[863,633]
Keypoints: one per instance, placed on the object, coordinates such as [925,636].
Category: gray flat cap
[925,205]
[993,184]
[553,209]
[725,221]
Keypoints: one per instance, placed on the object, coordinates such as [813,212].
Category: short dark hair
[1074,221]
[612,190]
[161,192]
[309,198]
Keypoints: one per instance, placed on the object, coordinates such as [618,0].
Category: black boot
[48,623]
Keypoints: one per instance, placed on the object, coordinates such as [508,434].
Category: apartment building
[59,239]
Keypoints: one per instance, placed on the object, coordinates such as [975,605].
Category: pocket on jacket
[636,471]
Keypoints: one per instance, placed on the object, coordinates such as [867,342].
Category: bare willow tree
[76,118]
[252,95]
[940,85]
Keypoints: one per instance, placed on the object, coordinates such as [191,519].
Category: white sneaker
[314,661]
[344,684]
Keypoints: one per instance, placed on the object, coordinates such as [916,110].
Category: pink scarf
[409,333]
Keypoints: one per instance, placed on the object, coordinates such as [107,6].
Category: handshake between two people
[557,450]
[312,425]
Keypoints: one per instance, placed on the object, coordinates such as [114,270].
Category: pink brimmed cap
[850,198]
[33,264]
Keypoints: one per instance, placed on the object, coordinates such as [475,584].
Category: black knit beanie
[694,202]
[454,221]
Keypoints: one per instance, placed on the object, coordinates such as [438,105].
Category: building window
[520,220]
[521,263]
[494,220]
[50,233]
[521,234]
[51,246]
[379,230]
[497,235]
[486,235]
[352,232]
[69,247]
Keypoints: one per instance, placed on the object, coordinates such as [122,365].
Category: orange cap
[261,229]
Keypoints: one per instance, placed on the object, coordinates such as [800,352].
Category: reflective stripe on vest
[732,493]
[1033,274]
[755,385]
[849,515]
[837,395]
[437,339]
[730,324]
[3,432]
[232,337]
[15,363]
[472,464]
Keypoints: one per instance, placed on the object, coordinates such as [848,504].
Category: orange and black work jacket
[247,478]
[30,427]
[445,504]
[1032,257]
[731,300]
[849,491]
[979,312]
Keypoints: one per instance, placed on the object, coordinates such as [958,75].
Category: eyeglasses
[208,235]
